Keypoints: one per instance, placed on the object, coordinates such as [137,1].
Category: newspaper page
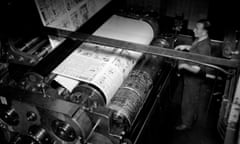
[67,14]
[103,66]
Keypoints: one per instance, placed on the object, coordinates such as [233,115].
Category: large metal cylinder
[132,94]
[87,95]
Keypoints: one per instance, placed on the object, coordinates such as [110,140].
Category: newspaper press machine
[96,94]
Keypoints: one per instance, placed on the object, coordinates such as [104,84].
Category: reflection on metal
[29,51]
[10,117]
[63,130]
[36,135]
[17,116]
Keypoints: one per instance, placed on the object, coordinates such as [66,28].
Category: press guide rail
[155,50]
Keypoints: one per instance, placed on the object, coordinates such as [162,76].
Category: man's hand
[182,66]
[183,47]
[191,68]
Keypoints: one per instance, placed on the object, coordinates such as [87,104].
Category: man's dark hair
[206,24]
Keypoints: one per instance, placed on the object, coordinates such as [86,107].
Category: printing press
[90,73]
[59,89]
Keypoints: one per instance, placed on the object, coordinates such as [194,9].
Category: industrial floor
[162,127]
[202,132]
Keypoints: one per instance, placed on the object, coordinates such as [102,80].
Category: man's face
[199,30]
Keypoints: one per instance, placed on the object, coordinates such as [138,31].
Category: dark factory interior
[111,72]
